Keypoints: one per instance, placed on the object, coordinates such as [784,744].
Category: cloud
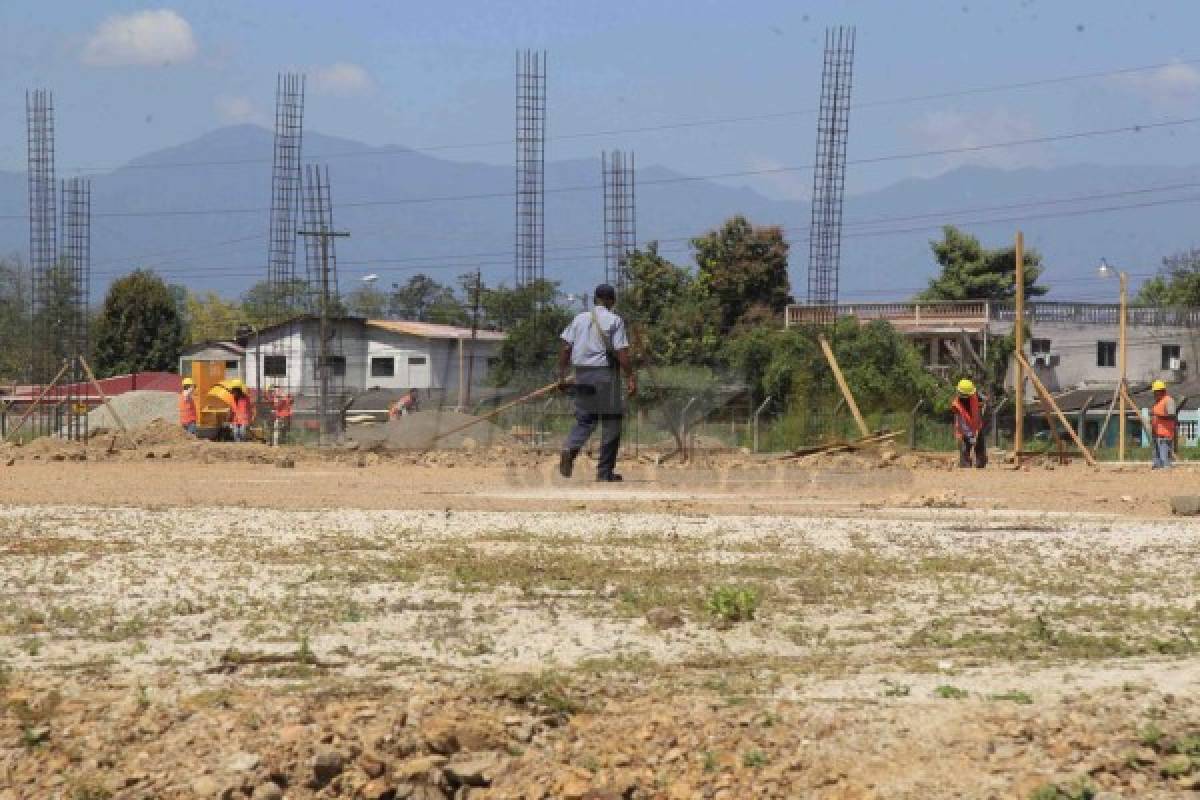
[961,130]
[1170,86]
[342,78]
[236,109]
[146,38]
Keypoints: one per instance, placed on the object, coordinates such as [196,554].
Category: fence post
[912,427]
[755,423]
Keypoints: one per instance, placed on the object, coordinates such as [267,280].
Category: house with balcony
[1070,345]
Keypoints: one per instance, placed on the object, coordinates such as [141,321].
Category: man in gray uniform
[597,346]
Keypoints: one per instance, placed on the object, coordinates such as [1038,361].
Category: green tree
[139,327]
[1177,283]
[424,299]
[367,301]
[14,320]
[504,307]
[671,319]
[742,267]
[263,304]
[529,352]
[209,317]
[972,272]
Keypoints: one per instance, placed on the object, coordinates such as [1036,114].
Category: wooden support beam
[104,399]
[841,382]
[1048,400]
[969,349]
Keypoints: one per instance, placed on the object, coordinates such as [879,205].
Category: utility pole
[324,234]
[1019,345]
[1124,388]
[474,328]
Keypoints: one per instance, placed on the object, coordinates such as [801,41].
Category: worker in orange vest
[187,406]
[242,410]
[404,406]
[281,407]
[1163,423]
[967,409]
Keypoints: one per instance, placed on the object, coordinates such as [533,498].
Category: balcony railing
[976,314]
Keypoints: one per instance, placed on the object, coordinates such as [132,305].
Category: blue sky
[133,77]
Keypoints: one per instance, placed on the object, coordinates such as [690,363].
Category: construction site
[343,543]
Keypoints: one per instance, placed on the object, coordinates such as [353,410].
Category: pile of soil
[416,431]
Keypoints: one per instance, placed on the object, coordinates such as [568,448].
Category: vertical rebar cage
[530,163]
[284,298]
[620,216]
[326,355]
[829,175]
[71,289]
[43,236]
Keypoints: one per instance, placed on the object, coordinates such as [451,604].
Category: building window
[416,361]
[232,368]
[383,367]
[1106,354]
[1171,357]
[275,366]
[337,366]
[1039,347]
[1187,430]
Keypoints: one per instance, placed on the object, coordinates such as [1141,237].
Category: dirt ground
[222,623]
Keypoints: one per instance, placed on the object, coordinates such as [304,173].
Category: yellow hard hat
[236,384]
[966,388]
[188,382]
[1158,386]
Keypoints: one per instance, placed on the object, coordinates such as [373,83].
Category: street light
[1105,271]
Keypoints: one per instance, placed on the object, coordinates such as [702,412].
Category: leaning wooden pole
[104,399]
[841,382]
[37,402]
[1049,401]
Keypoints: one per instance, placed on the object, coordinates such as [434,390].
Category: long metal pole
[1019,348]
[323,346]
[1121,420]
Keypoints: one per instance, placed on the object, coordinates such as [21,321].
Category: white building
[444,361]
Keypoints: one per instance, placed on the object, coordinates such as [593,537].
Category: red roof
[118,384]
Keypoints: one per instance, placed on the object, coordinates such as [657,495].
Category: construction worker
[967,409]
[241,412]
[406,405]
[281,409]
[1163,423]
[597,346]
[187,406]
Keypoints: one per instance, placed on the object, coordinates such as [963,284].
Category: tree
[367,301]
[139,327]
[14,320]
[742,266]
[530,350]
[671,319]
[209,317]
[424,299]
[1177,283]
[263,304]
[972,272]
[504,307]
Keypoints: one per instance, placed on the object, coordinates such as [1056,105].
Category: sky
[131,77]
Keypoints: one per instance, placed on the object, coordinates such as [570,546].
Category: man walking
[597,346]
[967,409]
[1162,425]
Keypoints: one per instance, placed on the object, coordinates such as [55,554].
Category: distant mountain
[409,211]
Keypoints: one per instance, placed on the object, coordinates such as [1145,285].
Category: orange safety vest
[187,408]
[1162,422]
[282,404]
[243,411]
[967,410]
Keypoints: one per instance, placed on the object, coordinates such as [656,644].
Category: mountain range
[198,214]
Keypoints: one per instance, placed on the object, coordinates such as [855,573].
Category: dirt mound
[136,408]
[417,431]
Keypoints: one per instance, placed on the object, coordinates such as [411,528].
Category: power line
[1068,136]
[669,126]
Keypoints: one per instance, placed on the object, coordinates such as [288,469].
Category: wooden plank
[841,382]
[1048,400]
[854,444]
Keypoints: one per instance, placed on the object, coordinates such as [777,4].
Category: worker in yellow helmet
[1163,424]
[967,408]
[242,410]
[187,406]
